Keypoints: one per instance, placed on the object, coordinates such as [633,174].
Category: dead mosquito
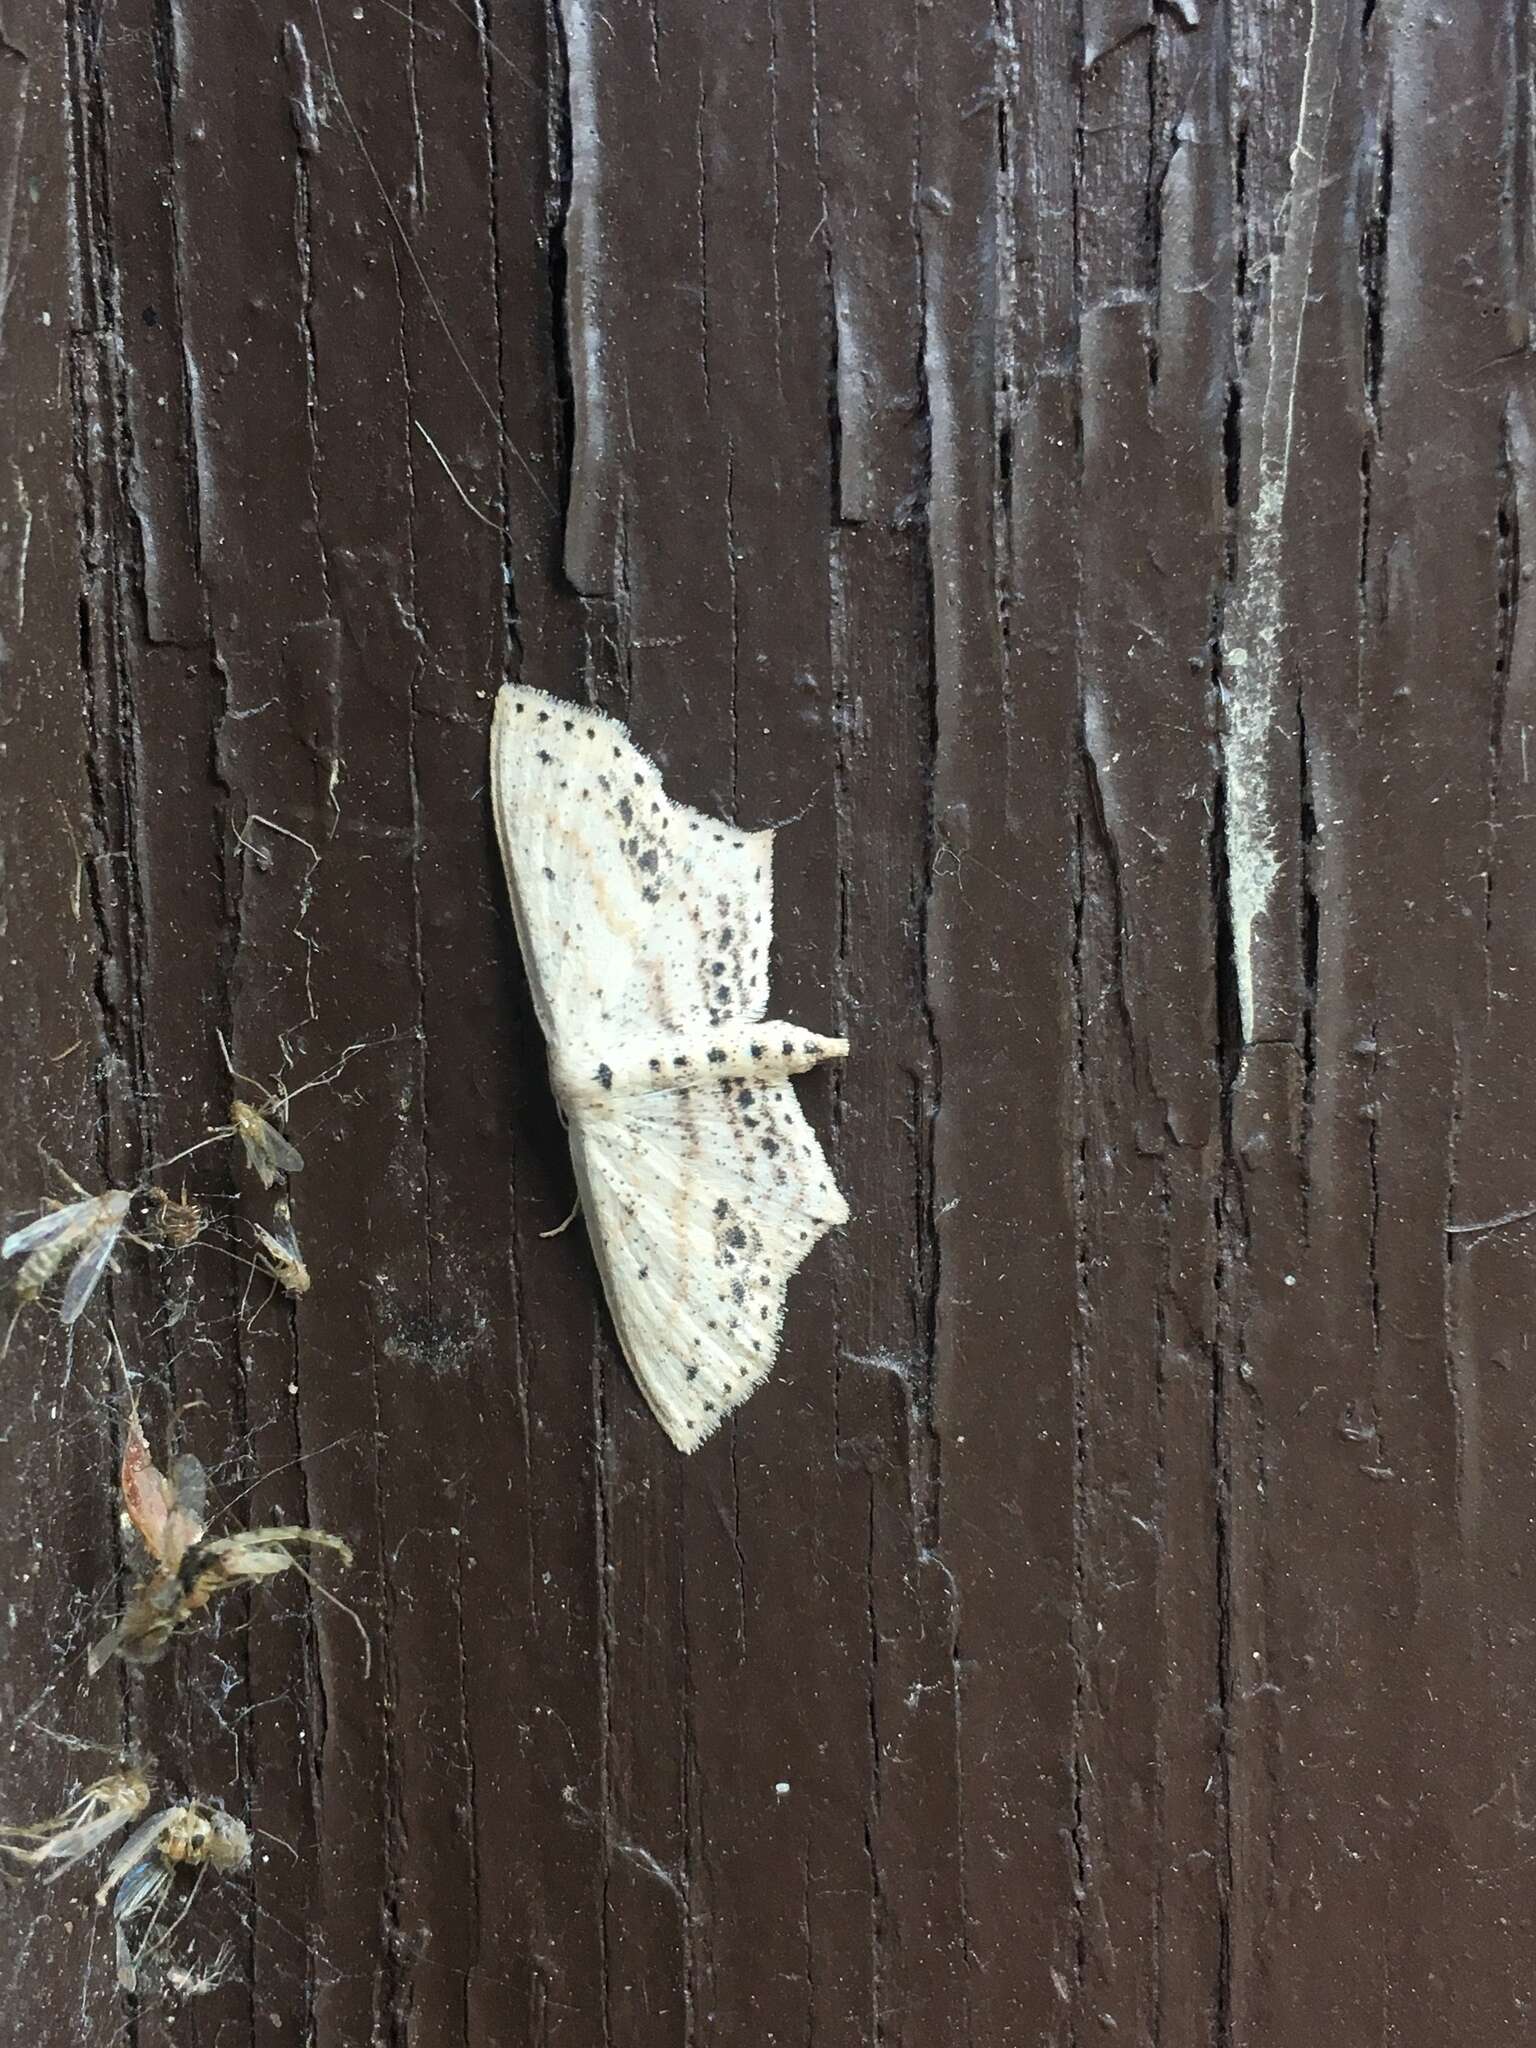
[91,1817]
[144,1875]
[86,1231]
[184,1568]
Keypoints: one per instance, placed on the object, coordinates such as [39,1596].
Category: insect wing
[147,1495]
[701,1205]
[631,909]
[114,1803]
[62,1223]
[145,1882]
[93,1261]
[284,1260]
[287,1158]
[279,1253]
[267,1152]
[136,1850]
[106,1647]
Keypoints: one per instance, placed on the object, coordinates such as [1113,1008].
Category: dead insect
[145,1871]
[174,1224]
[186,1568]
[267,1152]
[97,1812]
[86,1230]
[282,1259]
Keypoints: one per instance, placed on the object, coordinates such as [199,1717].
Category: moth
[90,1819]
[143,1874]
[86,1231]
[646,928]
[185,1566]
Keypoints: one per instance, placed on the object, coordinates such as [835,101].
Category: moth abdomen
[586,1079]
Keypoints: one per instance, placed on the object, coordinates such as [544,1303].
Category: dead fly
[267,1152]
[184,1568]
[171,1223]
[86,1231]
[99,1811]
[145,1872]
[281,1258]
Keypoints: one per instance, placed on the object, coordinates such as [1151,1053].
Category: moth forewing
[590,1078]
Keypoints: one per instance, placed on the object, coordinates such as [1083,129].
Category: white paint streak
[23,550]
[13,73]
[585,298]
[1252,653]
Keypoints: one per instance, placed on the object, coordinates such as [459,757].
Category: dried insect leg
[89,1819]
[185,1980]
[225,1561]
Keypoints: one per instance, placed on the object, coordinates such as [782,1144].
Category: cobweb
[209,1722]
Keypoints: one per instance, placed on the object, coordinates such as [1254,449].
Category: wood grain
[1065,465]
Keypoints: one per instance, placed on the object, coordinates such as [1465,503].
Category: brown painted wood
[1068,466]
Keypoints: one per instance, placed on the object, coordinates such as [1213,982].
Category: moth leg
[561,1228]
